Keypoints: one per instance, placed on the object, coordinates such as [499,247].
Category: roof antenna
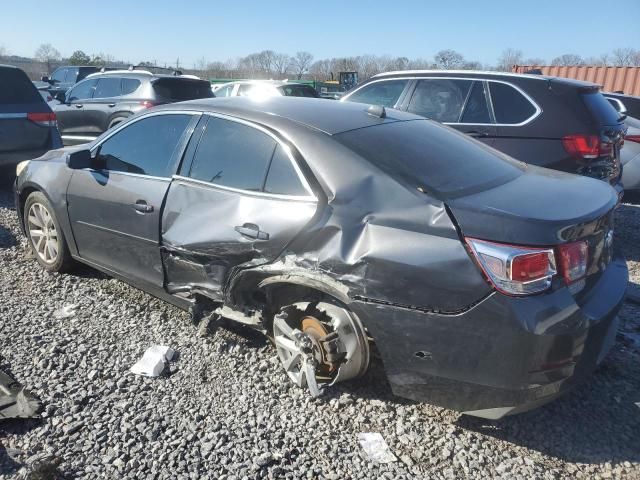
[377,111]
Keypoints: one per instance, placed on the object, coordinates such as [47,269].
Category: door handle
[252,230]
[476,134]
[78,105]
[112,105]
[142,207]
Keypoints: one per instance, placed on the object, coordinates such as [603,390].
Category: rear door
[239,200]
[115,209]
[458,102]
[99,110]
[19,98]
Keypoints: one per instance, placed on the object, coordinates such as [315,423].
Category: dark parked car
[488,285]
[65,77]
[631,103]
[104,100]
[27,124]
[552,122]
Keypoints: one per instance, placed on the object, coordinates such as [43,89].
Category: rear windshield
[299,91]
[601,110]
[179,89]
[16,88]
[421,153]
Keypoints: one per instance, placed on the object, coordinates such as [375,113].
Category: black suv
[63,78]
[103,100]
[27,124]
[553,122]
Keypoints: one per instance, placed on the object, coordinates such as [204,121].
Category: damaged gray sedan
[488,286]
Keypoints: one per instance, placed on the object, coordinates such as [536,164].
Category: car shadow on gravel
[7,238]
[595,423]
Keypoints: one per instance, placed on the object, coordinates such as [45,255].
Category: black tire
[62,260]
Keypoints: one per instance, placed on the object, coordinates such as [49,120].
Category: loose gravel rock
[227,411]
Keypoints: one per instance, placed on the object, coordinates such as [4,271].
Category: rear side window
[108,87]
[82,91]
[17,88]
[58,75]
[384,93]
[421,153]
[129,85]
[476,110]
[509,105]
[145,147]
[601,110]
[224,91]
[299,91]
[440,99]
[233,155]
[71,76]
[178,90]
[282,177]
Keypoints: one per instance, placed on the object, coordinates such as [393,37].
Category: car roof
[8,66]
[139,74]
[483,74]
[316,113]
[275,83]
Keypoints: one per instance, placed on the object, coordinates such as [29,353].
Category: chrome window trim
[253,193]
[460,72]
[128,174]
[535,115]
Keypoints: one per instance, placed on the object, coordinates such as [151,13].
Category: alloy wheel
[42,233]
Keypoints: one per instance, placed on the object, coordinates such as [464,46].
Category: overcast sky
[162,30]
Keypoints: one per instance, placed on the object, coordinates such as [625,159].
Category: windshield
[424,154]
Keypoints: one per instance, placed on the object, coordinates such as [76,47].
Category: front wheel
[46,239]
[320,344]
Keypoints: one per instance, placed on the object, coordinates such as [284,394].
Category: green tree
[79,58]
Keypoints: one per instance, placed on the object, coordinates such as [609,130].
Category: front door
[71,121]
[115,208]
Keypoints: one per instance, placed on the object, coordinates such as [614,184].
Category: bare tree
[46,53]
[281,64]
[568,60]
[601,61]
[508,59]
[472,65]
[624,57]
[449,59]
[534,61]
[321,69]
[301,63]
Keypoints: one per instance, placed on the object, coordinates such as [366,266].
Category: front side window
[233,155]
[82,91]
[108,87]
[282,177]
[384,93]
[476,110]
[145,147]
[509,105]
[440,99]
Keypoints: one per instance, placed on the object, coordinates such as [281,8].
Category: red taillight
[514,270]
[586,146]
[633,138]
[572,261]
[147,104]
[45,119]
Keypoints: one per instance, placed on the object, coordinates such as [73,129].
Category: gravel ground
[226,410]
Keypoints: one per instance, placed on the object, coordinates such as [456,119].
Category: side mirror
[61,97]
[80,159]
[44,78]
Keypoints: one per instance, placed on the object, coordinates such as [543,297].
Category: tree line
[275,65]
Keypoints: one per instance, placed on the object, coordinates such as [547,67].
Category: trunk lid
[542,208]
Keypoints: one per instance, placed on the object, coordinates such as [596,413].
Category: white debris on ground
[375,447]
[154,361]
[67,311]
